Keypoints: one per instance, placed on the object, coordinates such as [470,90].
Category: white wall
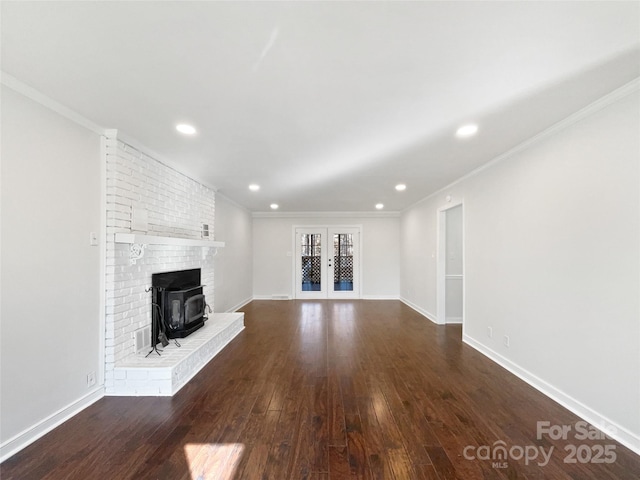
[552,241]
[234,262]
[50,274]
[418,261]
[380,255]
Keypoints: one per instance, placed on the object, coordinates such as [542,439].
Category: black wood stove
[178,304]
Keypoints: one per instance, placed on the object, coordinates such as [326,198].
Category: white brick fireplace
[145,196]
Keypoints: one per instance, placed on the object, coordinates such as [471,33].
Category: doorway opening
[450,267]
[327,262]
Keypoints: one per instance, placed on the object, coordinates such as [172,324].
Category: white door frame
[326,290]
[441,264]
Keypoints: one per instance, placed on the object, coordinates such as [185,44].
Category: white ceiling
[326,105]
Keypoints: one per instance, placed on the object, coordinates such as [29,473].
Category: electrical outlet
[489,332]
[506,340]
[91,379]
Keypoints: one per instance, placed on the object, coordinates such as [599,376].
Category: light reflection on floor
[311,322]
[343,320]
[213,461]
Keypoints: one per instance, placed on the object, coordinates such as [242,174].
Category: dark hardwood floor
[328,390]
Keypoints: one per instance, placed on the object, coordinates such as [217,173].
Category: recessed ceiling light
[274,206]
[467,130]
[186,129]
[379,206]
[401,187]
[254,187]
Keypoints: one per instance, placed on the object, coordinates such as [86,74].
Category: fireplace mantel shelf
[156,240]
[138,241]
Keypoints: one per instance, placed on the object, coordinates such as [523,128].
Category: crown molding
[325,214]
[232,202]
[16,85]
[601,103]
[23,89]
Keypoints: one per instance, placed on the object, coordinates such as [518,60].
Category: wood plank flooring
[326,390]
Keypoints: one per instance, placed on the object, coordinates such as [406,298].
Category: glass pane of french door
[343,262]
[311,262]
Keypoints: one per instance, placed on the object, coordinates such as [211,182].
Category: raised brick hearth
[164,375]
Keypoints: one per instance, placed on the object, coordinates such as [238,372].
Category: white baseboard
[380,297]
[421,311]
[283,296]
[619,433]
[454,321]
[33,433]
[287,297]
[240,305]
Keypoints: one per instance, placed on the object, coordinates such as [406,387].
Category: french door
[327,262]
